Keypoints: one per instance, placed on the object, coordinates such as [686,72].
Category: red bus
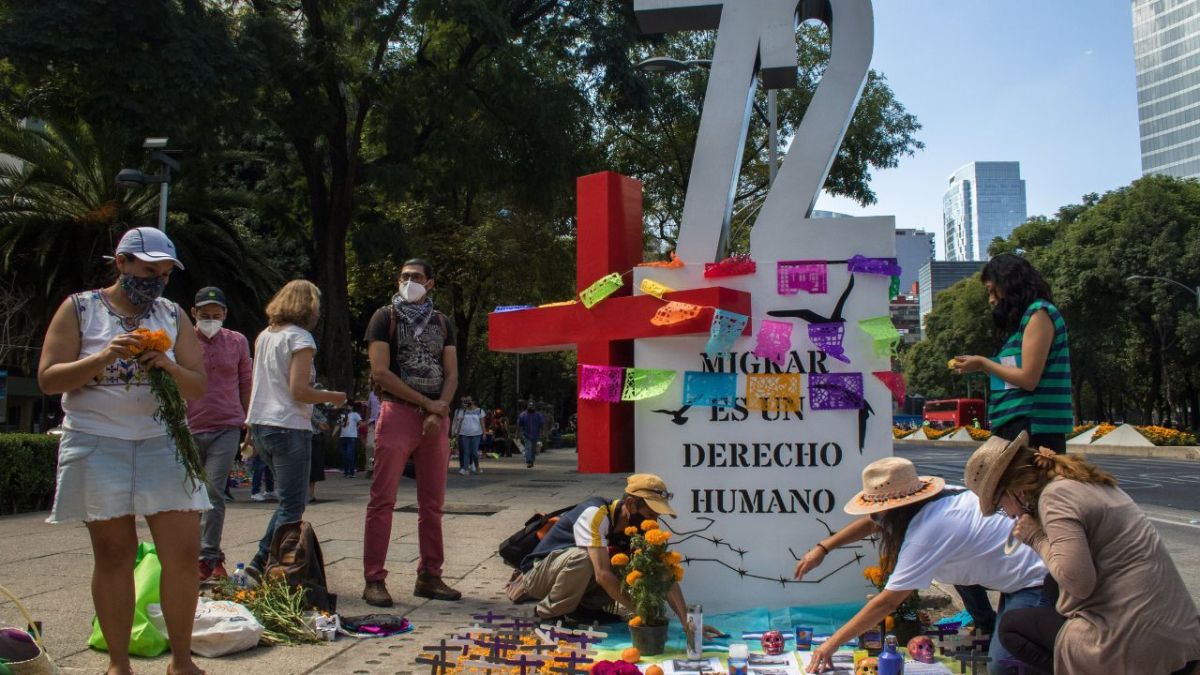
[955,412]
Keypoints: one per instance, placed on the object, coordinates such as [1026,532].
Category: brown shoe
[376,594]
[429,586]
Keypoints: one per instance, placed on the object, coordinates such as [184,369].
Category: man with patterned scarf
[414,363]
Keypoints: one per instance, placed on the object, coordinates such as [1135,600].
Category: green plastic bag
[145,640]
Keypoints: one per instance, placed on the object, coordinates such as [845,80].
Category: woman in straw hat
[1123,607]
[926,532]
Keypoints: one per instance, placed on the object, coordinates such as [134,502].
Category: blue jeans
[530,449]
[468,451]
[1026,597]
[260,471]
[349,455]
[286,452]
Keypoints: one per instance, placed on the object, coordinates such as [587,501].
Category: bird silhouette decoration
[825,332]
[677,416]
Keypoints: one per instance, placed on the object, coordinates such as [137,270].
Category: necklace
[128,323]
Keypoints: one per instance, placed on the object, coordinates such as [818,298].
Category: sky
[1048,83]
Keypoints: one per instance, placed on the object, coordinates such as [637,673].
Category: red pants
[398,436]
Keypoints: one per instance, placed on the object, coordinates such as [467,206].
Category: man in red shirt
[217,419]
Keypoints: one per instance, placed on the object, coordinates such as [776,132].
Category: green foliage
[959,324]
[27,474]
[1135,343]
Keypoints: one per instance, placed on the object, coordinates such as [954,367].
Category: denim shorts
[101,478]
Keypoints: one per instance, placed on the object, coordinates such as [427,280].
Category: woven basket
[40,664]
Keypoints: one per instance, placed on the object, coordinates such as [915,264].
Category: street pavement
[1167,490]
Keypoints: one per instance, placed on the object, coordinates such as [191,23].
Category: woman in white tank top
[115,461]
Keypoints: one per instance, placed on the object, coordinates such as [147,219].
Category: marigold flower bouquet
[172,410]
[648,575]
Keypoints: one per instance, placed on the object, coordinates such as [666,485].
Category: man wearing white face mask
[217,419]
[414,363]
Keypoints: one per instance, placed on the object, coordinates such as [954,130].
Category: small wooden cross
[525,663]
[489,618]
[572,662]
[487,666]
[539,647]
[971,657]
[498,647]
[441,661]
[518,627]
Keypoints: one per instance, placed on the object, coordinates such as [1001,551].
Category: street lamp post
[1193,290]
[132,178]
[666,65]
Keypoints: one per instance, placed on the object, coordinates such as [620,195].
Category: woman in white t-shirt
[115,459]
[925,533]
[468,426]
[282,398]
[348,441]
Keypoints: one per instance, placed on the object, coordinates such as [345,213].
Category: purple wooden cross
[524,663]
[489,618]
[497,647]
[440,663]
[572,662]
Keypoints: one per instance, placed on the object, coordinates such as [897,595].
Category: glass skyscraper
[985,200]
[1166,52]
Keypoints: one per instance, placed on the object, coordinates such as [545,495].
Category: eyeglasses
[412,276]
[662,493]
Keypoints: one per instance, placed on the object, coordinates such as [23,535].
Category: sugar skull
[868,666]
[920,649]
[772,642]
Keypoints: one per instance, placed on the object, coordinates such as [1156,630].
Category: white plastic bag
[221,627]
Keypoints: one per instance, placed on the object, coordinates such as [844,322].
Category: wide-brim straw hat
[890,483]
[987,465]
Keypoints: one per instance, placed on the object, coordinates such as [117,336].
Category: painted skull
[920,649]
[772,642]
[868,666]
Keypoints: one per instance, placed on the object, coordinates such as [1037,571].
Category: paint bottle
[890,660]
[695,643]
[739,659]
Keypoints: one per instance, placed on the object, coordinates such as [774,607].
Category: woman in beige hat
[1123,607]
[926,532]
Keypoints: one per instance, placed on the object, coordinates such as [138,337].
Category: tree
[960,323]
[60,212]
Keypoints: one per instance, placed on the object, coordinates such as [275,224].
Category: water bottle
[739,659]
[239,576]
[890,660]
[695,642]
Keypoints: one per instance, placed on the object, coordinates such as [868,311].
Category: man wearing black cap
[217,419]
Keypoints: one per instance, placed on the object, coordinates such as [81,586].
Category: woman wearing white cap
[115,460]
[925,533]
[1122,607]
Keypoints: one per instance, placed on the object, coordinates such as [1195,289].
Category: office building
[1166,53]
[985,200]
[906,317]
[938,275]
[914,248]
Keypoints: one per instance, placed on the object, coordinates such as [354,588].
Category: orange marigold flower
[630,531]
[678,571]
[632,577]
[657,537]
[635,621]
[620,560]
[673,557]
[649,524]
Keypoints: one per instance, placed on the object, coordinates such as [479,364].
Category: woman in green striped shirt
[1031,374]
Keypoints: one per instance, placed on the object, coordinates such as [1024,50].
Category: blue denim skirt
[101,478]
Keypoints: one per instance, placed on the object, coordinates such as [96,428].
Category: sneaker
[259,497]
[429,586]
[475,469]
[376,594]
[218,571]
[271,495]
[463,472]
[528,465]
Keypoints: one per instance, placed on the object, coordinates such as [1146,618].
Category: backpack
[514,549]
[296,556]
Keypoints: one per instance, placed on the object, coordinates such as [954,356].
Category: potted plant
[647,576]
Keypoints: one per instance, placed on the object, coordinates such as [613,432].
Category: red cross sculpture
[609,240]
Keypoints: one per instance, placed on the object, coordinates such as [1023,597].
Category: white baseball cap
[149,244]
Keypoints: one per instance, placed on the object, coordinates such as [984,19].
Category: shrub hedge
[28,464]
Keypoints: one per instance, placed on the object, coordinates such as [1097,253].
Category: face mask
[209,327]
[142,290]
[412,292]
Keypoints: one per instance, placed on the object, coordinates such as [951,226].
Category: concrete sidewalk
[49,566]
